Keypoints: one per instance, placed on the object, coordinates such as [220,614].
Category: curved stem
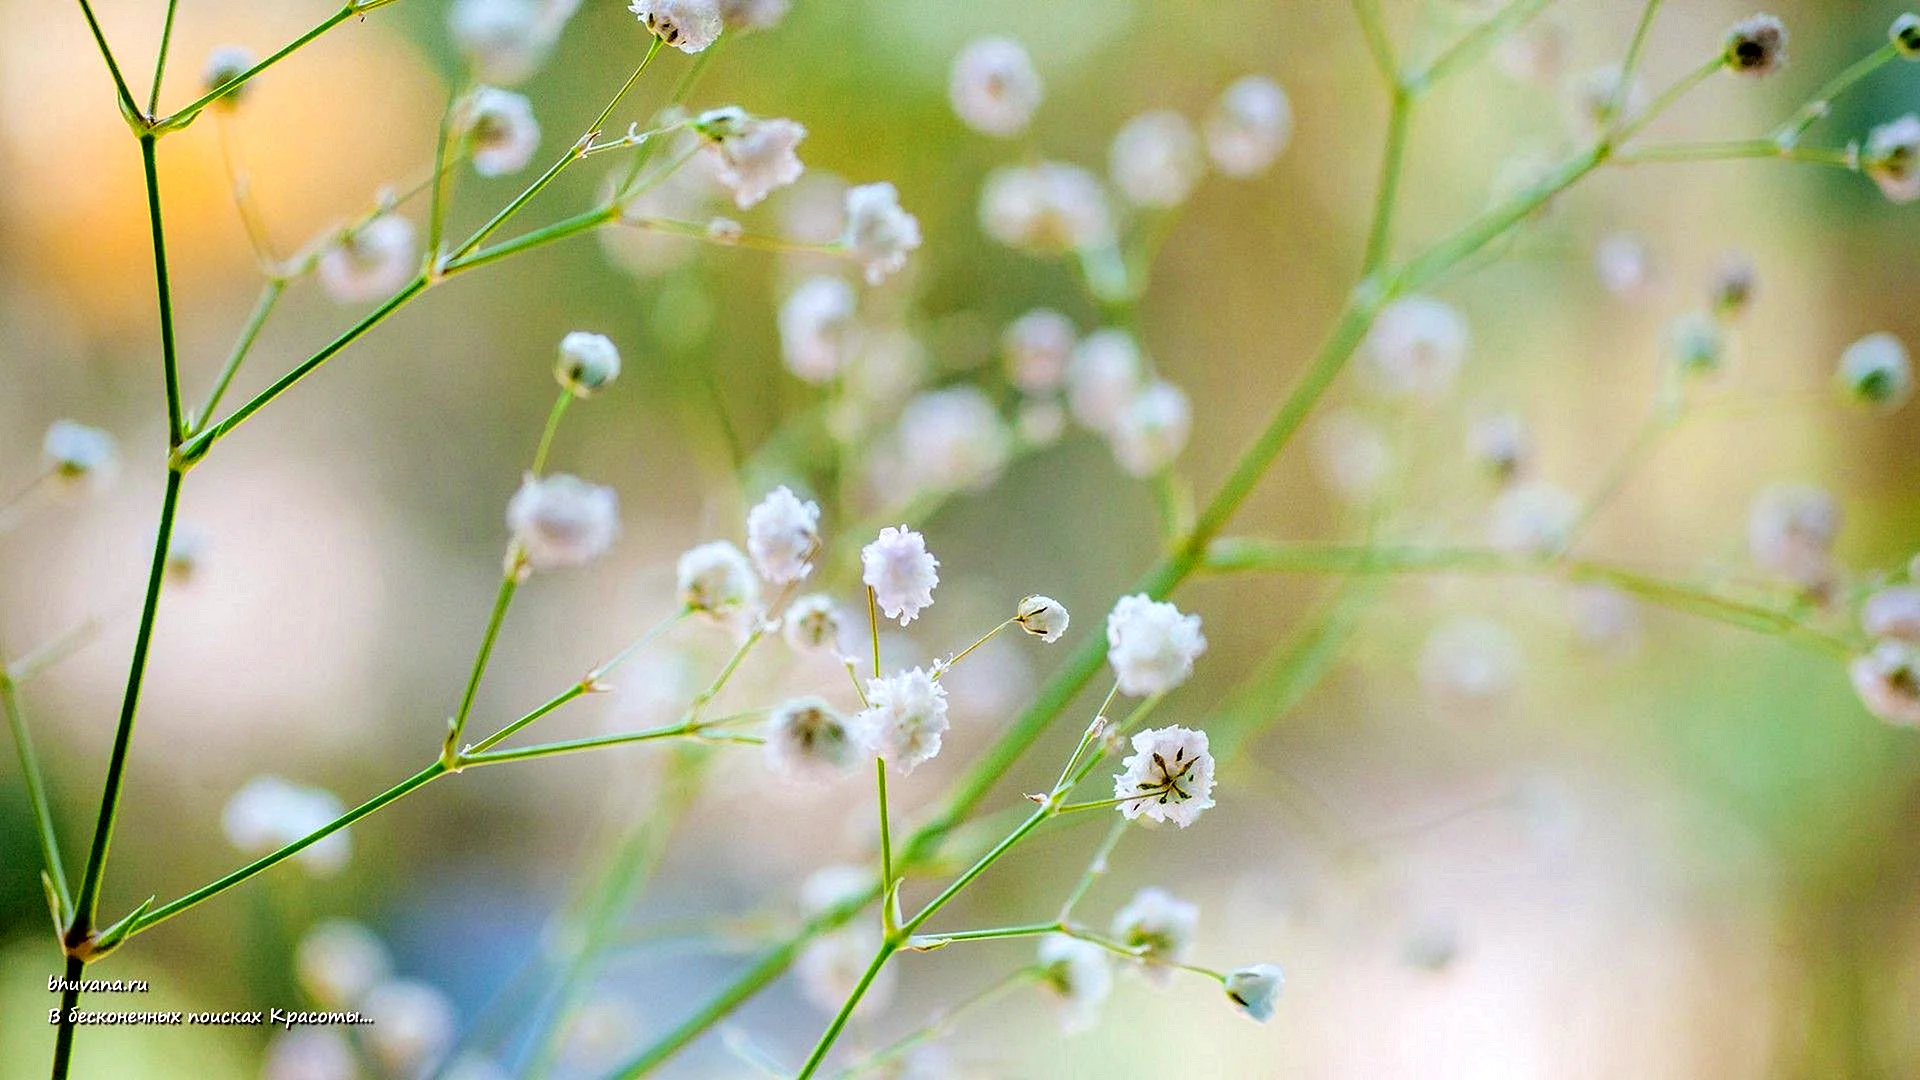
[185,116]
[1379,235]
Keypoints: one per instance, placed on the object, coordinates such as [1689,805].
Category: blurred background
[1656,847]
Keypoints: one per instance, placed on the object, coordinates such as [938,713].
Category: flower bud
[1697,343]
[1888,682]
[1733,284]
[1757,46]
[225,64]
[1254,989]
[587,363]
[1892,158]
[1043,617]
[1875,371]
[812,623]
[716,578]
[1905,35]
[80,456]
[687,25]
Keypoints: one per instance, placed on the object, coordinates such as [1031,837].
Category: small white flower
[1253,989]
[1888,682]
[753,14]
[1470,658]
[808,740]
[905,718]
[1168,777]
[1605,616]
[1905,35]
[1155,159]
[562,521]
[879,234]
[1351,455]
[1161,926]
[1535,518]
[901,572]
[715,578]
[1624,264]
[1875,370]
[1534,55]
[1151,645]
[310,1053]
[268,813]
[504,41]
[993,87]
[812,623]
[1698,343]
[1078,974]
[752,157]
[225,64]
[1046,209]
[413,1025]
[817,328]
[1103,378]
[782,535]
[1152,430]
[831,887]
[687,25]
[500,130]
[1892,158]
[832,965]
[1791,531]
[1734,283]
[1036,346]
[1040,422]
[338,961]
[80,456]
[1417,346]
[587,363]
[1893,612]
[725,230]
[953,439]
[371,262]
[1501,444]
[1043,617]
[185,552]
[1757,46]
[1249,126]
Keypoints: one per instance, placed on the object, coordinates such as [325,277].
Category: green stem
[940,1024]
[1630,66]
[1095,867]
[185,116]
[270,294]
[886,838]
[873,626]
[176,426]
[127,106]
[509,584]
[1379,235]
[1627,128]
[36,783]
[1373,28]
[546,435]
[1736,149]
[574,746]
[998,933]
[559,230]
[839,1023]
[1822,101]
[589,684]
[962,655]
[1476,42]
[160,60]
[437,207]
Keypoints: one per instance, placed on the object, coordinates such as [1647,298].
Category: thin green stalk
[940,1024]
[574,746]
[502,600]
[182,117]
[160,60]
[940,941]
[886,839]
[839,1022]
[477,750]
[437,208]
[1476,42]
[546,434]
[962,655]
[1379,235]
[1630,66]
[127,106]
[1738,149]
[559,230]
[1373,29]
[1096,866]
[587,685]
[36,783]
[1628,128]
[1657,427]
[176,425]
[873,625]
[270,294]
[1822,101]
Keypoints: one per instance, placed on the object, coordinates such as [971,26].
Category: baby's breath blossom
[1103,377]
[370,262]
[185,553]
[561,520]
[1500,444]
[1698,343]
[993,86]
[752,156]
[1893,612]
[225,64]
[817,328]
[687,25]
[782,534]
[901,572]
[832,964]
[1888,682]
[716,579]
[1040,422]
[1047,209]
[812,623]
[268,813]
[1734,283]
[1155,159]
[1351,455]
[753,14]
[1535,54]
[80,456]
[1623,263]
[1892,158]
[1249,126]
[1080,977]
[833,886]
[1153,429]
[1417,346]
[1253,989]
[1036,346]
[1875,370]
[1151,645]
[1905,35]
[504,41]
[1043,617]
[879,234]
[905,718]
[1534,518]
[587,363]
[953,439]
[1604,616]
[1161,926]
[310,1053]
[338,961]
[1168,777]
[808,740]
[500,130]
[1590,98]
[1471,658]
[413,1025]
[1757,46]
[1790,534]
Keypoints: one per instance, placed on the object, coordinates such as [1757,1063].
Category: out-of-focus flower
[1079,976]
[1892,158]
[716,579]
[1888,682]
[1040,422]
[1103,377]
[1153,429]
[1605,616]
[225,64]
[1698,343]
[1043,617]
[1905,35]
[1623,263]
[1155,159]
[687,25]
[587,363]
[905,718]
[1790,534]
[753,14]
[1757,46]
[879,234]
[369,262]
[268,813]
[1351,455]
[1875,370]
[1471,658]
[812,623]
[499,129]
[1161,926]
[994,87]
[413,1026]
[310,1053]
[1535,54]
[1590,99]
[817,328]
[1253,989]
[1893,612]
[833,886]
[901,572]
[1151,645]
[1036,346]
[185,552]
[1534,518]
[79,456]
[1249,126]
[1501,445]
[1168,777]
[1417,346]
[953,439]
[338,961]
[782,535]
[1734,283]
[752,156]
[1046,209]
[504,41]
[832,964]
[561,521]
[808,740]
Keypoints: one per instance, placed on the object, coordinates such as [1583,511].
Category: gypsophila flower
[716,579]
[1151,645]
[1470,658]
[1893,612]
[504,41]
[1036,347]
[268,813]
[1155,159]
[1905,35]
[905,718]
[1875,370]
[1697,343]
[413,1026]
[1417,346]
[1888,682]
[1079,976]
[185,552]
[1892,158]
[1534,54]
[1534,518]
[1249,126]
[1040,422]
[993,86]
[80,456]
[901,572]
[1623,263]
[831,887]
[1501,445]
[782,534]
[1757,46]
[1161,926]
[587,363]
[832,965]
[1152,430]
[225,64]
[500,130]
[753,14]
[1791,531]
[812,623]
[1351,455]
[370,262]
[752,157]
[879,234]
[338,961]
[687,25]
[1591,98]
[953,439]
[562,521]
[817,328]
[1103,378]
[1042,616]
[1734,282]
[1168,777]
[1046,209]
[1254,989]
[1604,616]
[808,740]
[725,230]
[310,1053]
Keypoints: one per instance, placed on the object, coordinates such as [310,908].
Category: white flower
[185,552]
[832,965]
[1043,617]
[953,439]
[1791,531]
[1168,777]
[1905,35]
[752,157]
[1351,455]
[1534,518]
[310,1053]
[1151,645]
[812,623]
[79,455]
[1047,209]
[338,961]
[1501,444]
[808,740]
[1888,682]
[993,86]
[370,262]
[905,717]
[1470,658]
[1892,158]
[1605,616]
[500,130]
[1417,346]
[817,328]
[504,41]
[1161,926]
[1155,159]
[1103,378]
[1757,46]
[715,578]
[1036,346]
[1535,54]
[561,520]
[1623,263]
[268,813]
[782,535]
[587,363]
[1875,370]
[831,887]
[687,25]
[225,64]
[1040,422]
[1249,126]
[901,572]
[1253,989]
[1734,283]
[1698,343]
[1078,974]
[753,14]
[1893,612]
[879,234]
[1153,429]
[413,1025]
